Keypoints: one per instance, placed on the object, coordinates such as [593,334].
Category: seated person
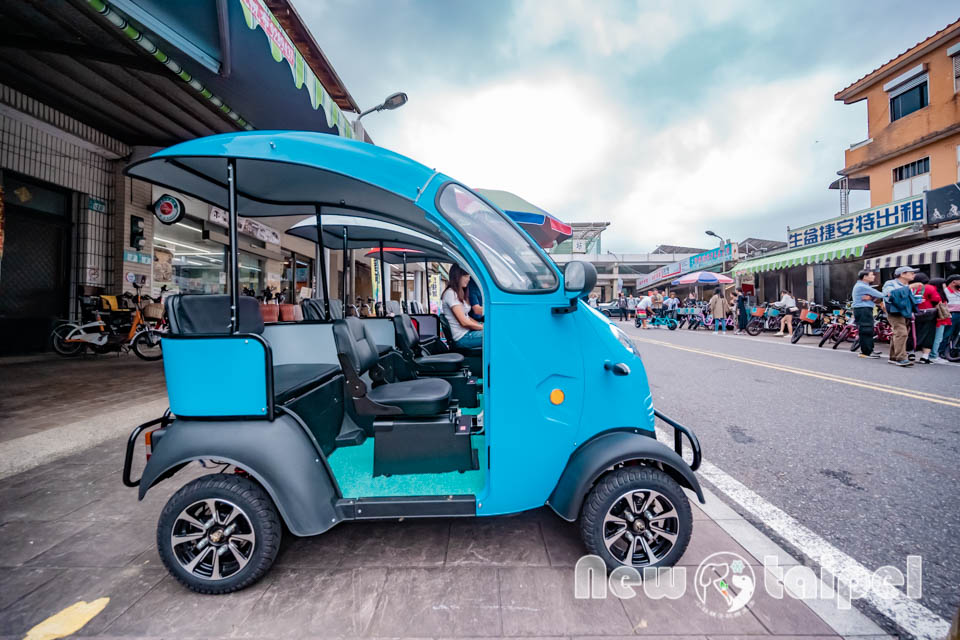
[475,300]
[467,332]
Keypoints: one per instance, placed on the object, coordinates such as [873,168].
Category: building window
[905,103]
[186,263]
[956,72]
[911,179]
[295,278]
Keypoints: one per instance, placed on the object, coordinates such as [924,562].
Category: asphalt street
[861,452]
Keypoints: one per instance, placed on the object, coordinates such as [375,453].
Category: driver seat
[408,339]
[358,354]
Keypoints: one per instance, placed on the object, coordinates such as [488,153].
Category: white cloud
[753,149]
[538,138]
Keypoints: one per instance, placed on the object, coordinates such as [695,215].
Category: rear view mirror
[579,278]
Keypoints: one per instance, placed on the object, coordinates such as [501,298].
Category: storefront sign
[943,204]
[245,226]
[169,210]
[96,204]
[136,256]
[726,253]
[888,216]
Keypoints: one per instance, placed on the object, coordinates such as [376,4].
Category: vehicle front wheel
[753,328]
[219,534]
[637,517]
[672,324]
[147,344]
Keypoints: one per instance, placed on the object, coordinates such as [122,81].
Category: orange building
[913,122]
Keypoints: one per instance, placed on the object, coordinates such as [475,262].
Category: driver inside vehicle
[467,333]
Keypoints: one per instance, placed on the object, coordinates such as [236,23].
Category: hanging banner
[375,280]
[246,226]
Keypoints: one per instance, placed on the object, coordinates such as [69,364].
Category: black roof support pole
[406,307]
[426,281]
[323,261]
[343,274]
[234,255]
[383,281]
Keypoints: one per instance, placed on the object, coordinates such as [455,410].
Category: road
[862,453]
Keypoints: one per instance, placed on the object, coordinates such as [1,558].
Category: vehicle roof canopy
[364,233]
[290,172]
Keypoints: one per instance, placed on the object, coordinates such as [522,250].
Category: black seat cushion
[440,363]
[421,397]
[293,380]
[210,314]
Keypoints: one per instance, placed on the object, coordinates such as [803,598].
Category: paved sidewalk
[71,532]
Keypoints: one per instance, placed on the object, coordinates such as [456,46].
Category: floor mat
[353,468]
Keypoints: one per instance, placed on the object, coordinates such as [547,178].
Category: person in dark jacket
[742,316]
[900,304]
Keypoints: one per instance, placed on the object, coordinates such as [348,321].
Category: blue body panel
[528,350]
[216,377]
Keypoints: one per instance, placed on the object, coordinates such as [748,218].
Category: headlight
[623,338]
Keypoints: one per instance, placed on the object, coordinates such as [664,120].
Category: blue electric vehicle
[346,418]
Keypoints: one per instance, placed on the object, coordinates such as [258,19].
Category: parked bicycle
[763,318]
[810,321]
[113,328]
[658,321]
[838,322]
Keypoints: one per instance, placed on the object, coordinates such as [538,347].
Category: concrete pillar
[810,295]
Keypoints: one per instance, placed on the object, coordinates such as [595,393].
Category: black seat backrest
[408,339]
[312,309]
[210,314]
[355,342]
[336,309]
[445,327]
[415,307]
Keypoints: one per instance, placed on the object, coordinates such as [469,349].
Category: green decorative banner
[282,49]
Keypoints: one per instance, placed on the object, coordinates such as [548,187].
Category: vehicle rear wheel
[827,333]
[840,338]
[147,344]
[58,340]
[855,344]
[636,517]
[219,534]
[672,324]
[798,332]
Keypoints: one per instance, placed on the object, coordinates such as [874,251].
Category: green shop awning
[837,250]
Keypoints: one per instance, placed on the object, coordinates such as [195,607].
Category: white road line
[907,613]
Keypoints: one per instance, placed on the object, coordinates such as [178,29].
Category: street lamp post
[393,101]
[723,262]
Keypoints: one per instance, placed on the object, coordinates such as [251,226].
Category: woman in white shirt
[467,333]
[788,305]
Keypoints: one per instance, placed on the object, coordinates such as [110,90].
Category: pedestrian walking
[944,319]
[671,304]
[864,306]
[643,310]
[925,316]
[953,306]
[622,306]
[656,299]
[900,305]
[719,308]
[742,316]
[592,300]
[788,306]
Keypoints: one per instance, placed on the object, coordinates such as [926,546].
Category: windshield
[508,253]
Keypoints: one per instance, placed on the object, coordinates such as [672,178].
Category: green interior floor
[353,468]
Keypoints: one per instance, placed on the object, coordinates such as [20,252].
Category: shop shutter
[956,73]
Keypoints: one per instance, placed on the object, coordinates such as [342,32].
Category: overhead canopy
[363,233]
[946,250]
[395,255]
[838,250]
[544,228]
[290,172]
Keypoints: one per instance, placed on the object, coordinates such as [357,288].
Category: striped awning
[946,250]
[837,250]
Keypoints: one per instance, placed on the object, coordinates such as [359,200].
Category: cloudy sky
[663,118]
